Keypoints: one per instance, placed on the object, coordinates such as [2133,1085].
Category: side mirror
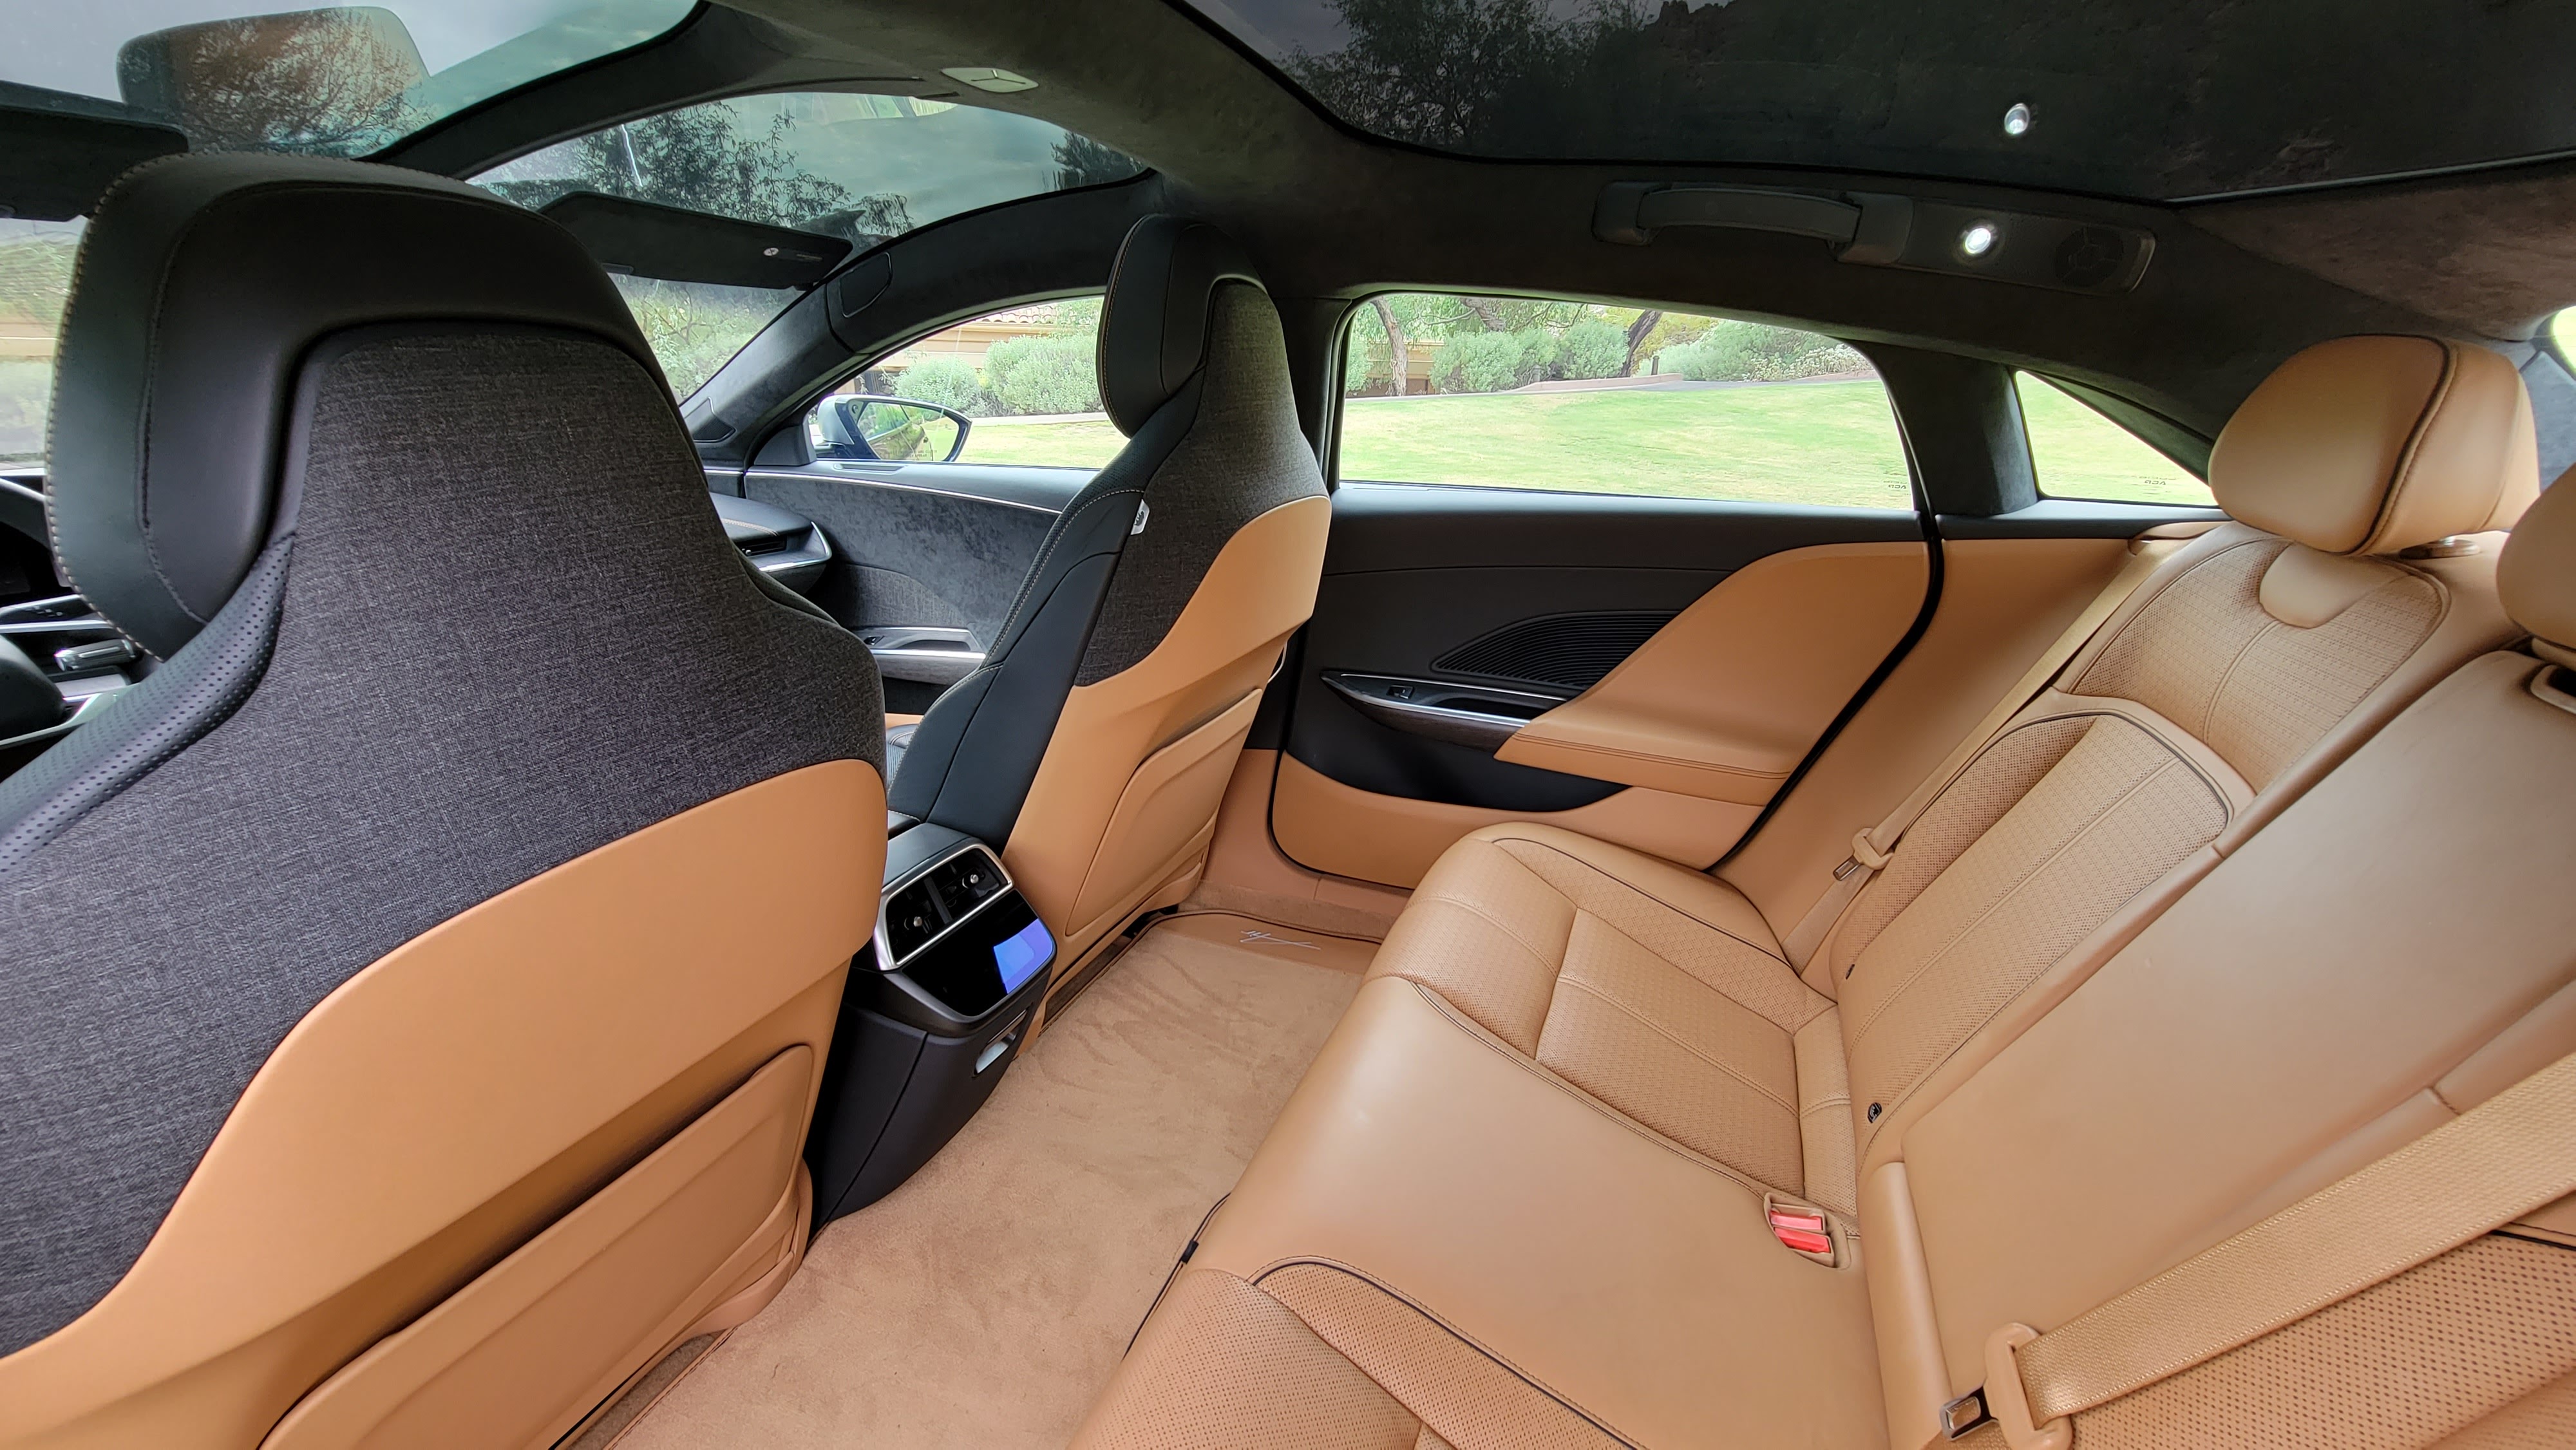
[898,430]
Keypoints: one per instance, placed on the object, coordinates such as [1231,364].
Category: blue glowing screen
[1023,954]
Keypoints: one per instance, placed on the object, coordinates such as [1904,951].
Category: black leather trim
[1154,322]
[142,727]
[29,699]
[190,312]
[976,751]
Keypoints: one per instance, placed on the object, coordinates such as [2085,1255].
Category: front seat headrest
[1154,322]
[203,282]
[2536,576]
[2369,445]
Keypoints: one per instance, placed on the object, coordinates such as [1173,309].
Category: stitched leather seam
[1038,570]
[2148,604]
[2406,461]
[2020,881]
[1817,1000]
[1634,890]
[1665,1033]
[1534,1068]
[1479,1346]
[1553,960]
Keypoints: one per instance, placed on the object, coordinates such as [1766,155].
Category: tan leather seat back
[420,982]
[1125,801]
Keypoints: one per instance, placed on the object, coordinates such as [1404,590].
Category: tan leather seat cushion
[1657,990]
[1465,1228]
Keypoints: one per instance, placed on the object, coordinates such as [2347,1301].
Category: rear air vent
[1568,651]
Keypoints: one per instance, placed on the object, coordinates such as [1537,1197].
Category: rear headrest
[2369,445]
[1153,326]
[2537,574]
[203,282]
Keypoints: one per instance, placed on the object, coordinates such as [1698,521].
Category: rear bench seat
[2200,930]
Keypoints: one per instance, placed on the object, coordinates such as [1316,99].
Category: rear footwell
[987,1301]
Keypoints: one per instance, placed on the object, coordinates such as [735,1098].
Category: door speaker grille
[1568,651]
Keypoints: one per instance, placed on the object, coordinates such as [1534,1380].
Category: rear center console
[932,1017]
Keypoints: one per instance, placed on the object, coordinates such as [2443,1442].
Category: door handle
[1472,715]
[923,654]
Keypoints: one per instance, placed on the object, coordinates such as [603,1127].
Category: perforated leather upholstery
[2185,941]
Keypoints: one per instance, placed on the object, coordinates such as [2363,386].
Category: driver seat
[413,992]
[1095,742]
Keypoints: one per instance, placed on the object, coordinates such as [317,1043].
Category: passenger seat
[2243,667]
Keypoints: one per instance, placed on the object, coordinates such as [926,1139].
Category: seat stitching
[2143,604]
[1508,1053]
[1636,890]
[1502,926]
[1407,1300]
[2011,891]
[2227,677]
[1816,1000]
[1659,1030]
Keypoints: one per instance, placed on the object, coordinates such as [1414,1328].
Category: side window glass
[1508,392]
[2078,453]
[1020,386]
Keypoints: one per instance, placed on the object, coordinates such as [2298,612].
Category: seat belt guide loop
[2008,1401]
[1865,851]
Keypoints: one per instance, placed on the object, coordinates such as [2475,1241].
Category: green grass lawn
[1829,443]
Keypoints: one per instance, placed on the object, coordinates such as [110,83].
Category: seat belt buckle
[1800,1228]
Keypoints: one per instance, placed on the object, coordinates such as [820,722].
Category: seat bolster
[1625,1277]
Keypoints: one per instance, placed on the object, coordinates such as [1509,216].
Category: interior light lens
[2017,119]
[1978,239]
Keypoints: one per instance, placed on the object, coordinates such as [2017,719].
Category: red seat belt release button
[1802,1231]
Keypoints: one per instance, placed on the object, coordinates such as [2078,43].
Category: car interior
[1383,724]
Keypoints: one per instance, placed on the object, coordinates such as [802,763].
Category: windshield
[340,81]
[861,167]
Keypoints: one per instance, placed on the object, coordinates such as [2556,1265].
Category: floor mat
[986,1301]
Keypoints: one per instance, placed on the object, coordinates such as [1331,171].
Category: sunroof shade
[337,81]
[2159,99]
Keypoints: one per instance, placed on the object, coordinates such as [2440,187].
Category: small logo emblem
[1263,938]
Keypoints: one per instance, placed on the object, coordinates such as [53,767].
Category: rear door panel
[1541,594]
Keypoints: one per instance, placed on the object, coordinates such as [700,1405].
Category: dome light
[1978,239]
[2017,119]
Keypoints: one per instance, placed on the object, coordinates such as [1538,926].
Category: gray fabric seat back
[1193,369]
[381,470]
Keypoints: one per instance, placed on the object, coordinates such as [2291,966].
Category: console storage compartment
[931,1020]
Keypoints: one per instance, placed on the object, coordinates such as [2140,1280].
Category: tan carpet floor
[987,1300]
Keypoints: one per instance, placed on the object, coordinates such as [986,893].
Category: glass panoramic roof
[2160,99]
[341,81]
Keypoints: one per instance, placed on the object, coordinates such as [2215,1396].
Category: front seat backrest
[483,861]
[1096,741]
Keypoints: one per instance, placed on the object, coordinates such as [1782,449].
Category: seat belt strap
[1870,849]
[2491,1165]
